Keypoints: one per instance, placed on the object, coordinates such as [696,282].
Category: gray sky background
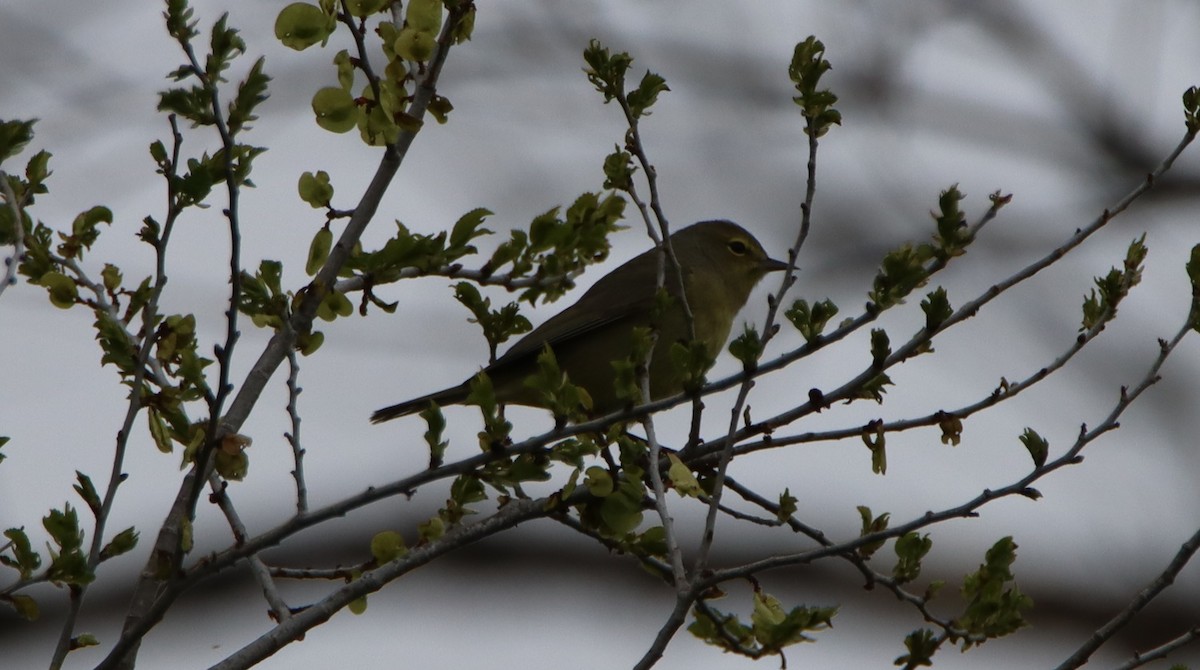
[1066,105]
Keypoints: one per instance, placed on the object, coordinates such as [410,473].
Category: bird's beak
[772,265]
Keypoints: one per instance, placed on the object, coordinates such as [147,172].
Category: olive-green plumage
[720,262]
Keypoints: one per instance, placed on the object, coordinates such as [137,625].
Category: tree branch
[1139,602]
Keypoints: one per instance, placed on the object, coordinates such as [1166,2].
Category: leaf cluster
[379,106]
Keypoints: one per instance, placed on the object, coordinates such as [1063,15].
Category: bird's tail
[450,396]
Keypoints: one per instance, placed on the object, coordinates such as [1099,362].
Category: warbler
[720,263]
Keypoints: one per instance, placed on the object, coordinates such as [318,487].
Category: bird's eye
[738,247]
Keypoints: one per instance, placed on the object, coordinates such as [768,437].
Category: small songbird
[720,263]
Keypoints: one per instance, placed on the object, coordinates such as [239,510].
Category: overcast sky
[1065,105]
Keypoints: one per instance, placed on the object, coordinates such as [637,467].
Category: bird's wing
[625,293]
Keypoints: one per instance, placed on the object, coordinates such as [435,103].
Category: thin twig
[922,338]
[294,628]
[1004,391]
[153,596]
[649,563]
[661,236]
[872,576]
[768,332]
[1021,487]
[340,574]
[293,437]
[224,352]
[1136,605]
[674,551]
[262,575]
[145,362]
[456,271]
[683,604]
[1162,651]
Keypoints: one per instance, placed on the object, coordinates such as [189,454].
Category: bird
[720,263]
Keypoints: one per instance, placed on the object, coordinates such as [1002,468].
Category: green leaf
[84,640]
[378,128]
[387,546]
[555,390]
[159,431]
[873,436]
[68,565]
[358,605]
[468,228]
[414,45]
[436,425]
[511,472]
[191,103]
[621,512]
[653,542]
[465,26]
[364,8]
[25,606]
[232,466]
[336,111]
[63,292]
[605,70]
[315,189]
[318,251]
[498,325]
[431,529]
[1191,109]
[811,321]
[787,506]
[902,271]
[251,92]
[467,489]
[124,541]
[301,25]
[725,631]
[599,482]
[37,170]
[993,609]
[952,235]
[619,170]
[910,549]
[871,524]
[747,347]
[111,276]
[1100,305]
[881,348]
[424,15]
[937,309]
[646,94]
[1037,446]
[806,69]
[87,491]
[308,343]
[921,645]
[690,361]
[84,231]
[24,559]
[952,428]
[14,135]
[682,479]
[115,344]
[345,67]
[775,629]
[496,428]
[439,108]
[334,305]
